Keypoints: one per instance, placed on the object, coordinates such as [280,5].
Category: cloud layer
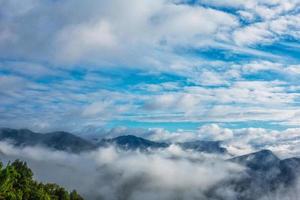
[163,64]
[113,174]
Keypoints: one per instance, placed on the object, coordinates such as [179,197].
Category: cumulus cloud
[103,32]
[267,32]
[266,21]
[86,40]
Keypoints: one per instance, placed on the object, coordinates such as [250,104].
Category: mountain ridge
[59,140]
[263,170]
[65,141]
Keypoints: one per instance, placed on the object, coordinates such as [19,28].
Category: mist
[112,174]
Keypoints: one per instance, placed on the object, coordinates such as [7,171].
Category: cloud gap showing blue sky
[171,64]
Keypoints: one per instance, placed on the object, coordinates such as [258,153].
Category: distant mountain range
[64,141]
[264,171]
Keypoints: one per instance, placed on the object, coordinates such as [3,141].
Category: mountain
[204,146]
[68,142]
[21,137]
[62,141]
[131,142]
[261,160]
[264,173]
[266,161]
[293,163]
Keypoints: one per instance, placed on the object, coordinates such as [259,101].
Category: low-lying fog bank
[172,173]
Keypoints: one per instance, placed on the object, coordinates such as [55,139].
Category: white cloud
[238,141]
[209,78]
[263,65]
[84,40]
[266,9]
[109,174]
[145,35]
[97,108]
[268,31]
[267,21]
[96,32]
[246,140]
[257,33]
[214,132]
[183,102]
[293,70]
[32,70]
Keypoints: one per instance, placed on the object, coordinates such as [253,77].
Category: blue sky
[168,64]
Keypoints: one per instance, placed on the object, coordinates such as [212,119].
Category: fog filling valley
[111,174]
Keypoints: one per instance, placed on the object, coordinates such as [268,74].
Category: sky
[171,65]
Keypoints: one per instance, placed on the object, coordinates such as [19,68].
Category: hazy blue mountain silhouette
[68,142]
[131,142]
[56,140]
[264,174]
[204,146]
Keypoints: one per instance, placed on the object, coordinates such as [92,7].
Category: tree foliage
[17,183]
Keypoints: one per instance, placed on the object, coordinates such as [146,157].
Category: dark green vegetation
[16,183]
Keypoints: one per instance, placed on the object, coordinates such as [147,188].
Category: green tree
[75,196]
[17,183]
